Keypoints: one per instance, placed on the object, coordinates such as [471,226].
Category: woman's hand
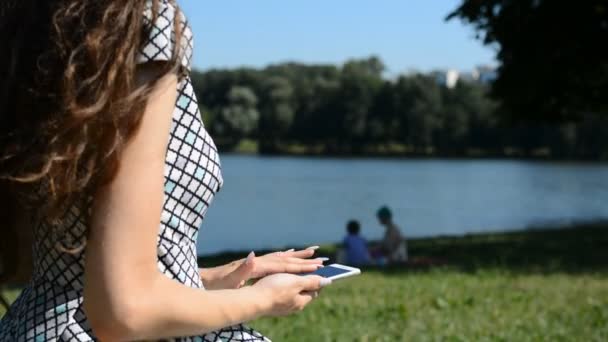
[291,261]
[235,275]
[288,293]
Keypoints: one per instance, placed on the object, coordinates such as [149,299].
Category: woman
[103,150]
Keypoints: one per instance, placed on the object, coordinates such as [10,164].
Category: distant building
[486,74]
[470,76]
[483,74]
[447,78]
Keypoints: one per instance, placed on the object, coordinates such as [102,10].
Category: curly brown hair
[69,98]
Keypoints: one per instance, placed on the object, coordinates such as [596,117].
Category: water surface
[272,202]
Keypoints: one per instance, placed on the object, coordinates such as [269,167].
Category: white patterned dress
[50,307]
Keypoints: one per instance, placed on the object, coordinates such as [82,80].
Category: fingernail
[250,258]
[313,248]
[325,282]
[320,266]
[291,250]
[323,259]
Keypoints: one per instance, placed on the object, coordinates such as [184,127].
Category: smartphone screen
[329,272]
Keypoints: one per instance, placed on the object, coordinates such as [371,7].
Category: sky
[407,34]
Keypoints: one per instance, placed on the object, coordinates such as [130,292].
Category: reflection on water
[274,202]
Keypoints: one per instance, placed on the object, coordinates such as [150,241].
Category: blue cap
[384,213]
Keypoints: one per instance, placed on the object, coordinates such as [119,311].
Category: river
[272,202]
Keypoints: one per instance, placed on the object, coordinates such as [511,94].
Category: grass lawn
[537,285]
[444,305]
[10,295]
[549,285]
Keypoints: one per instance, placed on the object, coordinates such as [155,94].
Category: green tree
[359,84]
[552,54]
[239,118]
[467,119]
[277,113]
[383,123]
[419,107]
[316,116]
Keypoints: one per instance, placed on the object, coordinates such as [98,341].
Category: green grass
[444,305]
[10,295]
[540,285]
[536,285]
[246,146]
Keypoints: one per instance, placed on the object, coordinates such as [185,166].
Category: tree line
[353,109]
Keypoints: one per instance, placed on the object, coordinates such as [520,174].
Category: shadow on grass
[581,249]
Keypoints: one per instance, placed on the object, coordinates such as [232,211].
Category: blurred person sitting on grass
[393,247]
[355,246]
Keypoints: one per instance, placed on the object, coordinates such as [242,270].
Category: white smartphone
[336,271]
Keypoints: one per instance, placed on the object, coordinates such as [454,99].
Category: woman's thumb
[240,276]
[315,283]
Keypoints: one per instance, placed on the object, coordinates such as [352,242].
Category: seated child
[393,248]
[355,247]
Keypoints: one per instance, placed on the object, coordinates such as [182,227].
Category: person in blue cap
[393,246]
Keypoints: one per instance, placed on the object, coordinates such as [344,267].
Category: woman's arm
[125,296]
